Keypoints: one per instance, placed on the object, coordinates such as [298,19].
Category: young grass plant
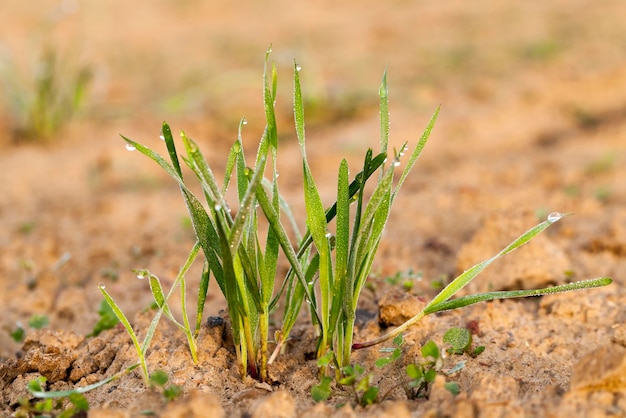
[328,270]
[244,269]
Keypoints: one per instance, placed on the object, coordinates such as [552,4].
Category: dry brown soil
[533,120]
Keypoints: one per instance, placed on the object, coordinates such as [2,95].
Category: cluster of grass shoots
[39,107]
[329,262]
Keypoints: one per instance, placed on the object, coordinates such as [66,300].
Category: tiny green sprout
[18,333]
[38,321]
[322,391]
[422,374]
[159,379]
[107,319]
[36,385]
[396,352]
[452,387]
[355,376]
[460,340]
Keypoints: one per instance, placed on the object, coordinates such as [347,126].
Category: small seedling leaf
[79,401]
[322,391]
[159,378]
[478,350]
[414,371]
[370,396]
[35,385]
[171,392]
[38,321]
[107,319]
[382,362]
[430,349]
[459,338]
[430,375]
[452,387]
[18,333]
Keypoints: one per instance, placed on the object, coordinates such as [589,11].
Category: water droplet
[130,147]
[244,121]
[310,283]
[385,160]
[102,286]
[308,301]
[218,207]
[141,275]
[161,136]
[396,163]
[554,216]
[276,175]
[328,235]
[269,49]
[298,67]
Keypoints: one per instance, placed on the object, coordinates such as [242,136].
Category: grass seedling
[163,308]
[244,269]
[330,262]
[159,380]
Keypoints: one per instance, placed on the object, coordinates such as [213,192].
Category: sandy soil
[533,120]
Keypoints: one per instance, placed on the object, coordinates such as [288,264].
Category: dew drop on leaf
[130,147]
[554,216]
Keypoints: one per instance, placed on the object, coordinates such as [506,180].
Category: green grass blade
[244,209]
[198,164]
[202,294]
[129,329]
[159,297]
[461,281]
[417,151]
[298,109]
[235,150]
[285,244]
[510,294]
[156,158]
[84,389]
[203,227]
[383,93]
[342,236]
[171,148]
[467,276]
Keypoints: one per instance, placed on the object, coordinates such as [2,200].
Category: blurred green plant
[50,96]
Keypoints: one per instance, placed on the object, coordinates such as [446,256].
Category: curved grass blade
[417,151]
[120,315]
[510,294]
[84,389]
[461,281]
